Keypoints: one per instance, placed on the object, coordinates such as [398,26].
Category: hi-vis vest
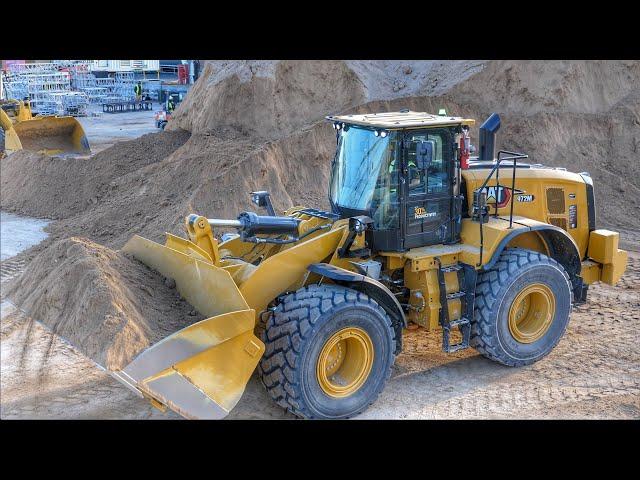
[138,89]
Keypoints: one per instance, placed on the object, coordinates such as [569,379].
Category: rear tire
[299,365]
[522,308]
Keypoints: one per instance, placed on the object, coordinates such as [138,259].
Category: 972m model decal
[525,198]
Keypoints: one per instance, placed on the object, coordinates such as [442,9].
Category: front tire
[522,308]
[329,352]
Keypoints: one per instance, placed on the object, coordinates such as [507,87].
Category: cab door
[428,169]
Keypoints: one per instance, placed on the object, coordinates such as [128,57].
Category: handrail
[515,156]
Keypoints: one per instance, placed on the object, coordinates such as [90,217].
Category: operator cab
[401,169]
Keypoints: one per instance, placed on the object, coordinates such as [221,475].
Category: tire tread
[290,325]
[483,331]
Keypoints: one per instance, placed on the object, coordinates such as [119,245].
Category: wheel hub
[345,362]
[531,313]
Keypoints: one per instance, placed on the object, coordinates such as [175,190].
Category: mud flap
[200,371]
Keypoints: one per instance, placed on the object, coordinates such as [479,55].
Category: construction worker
[170,104]
[138,91]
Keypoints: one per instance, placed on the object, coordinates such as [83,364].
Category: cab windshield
[365,174]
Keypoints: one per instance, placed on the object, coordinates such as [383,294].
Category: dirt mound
[270,99]
[209,173]
[565,86]
[60,187]
[272,105]
[109,306]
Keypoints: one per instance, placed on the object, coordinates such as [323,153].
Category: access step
[451,268]
[451,296]
[464,325]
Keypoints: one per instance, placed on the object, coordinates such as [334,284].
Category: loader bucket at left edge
[52,135]
[11,140]
[200,371]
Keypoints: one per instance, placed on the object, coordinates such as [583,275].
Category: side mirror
[424,154]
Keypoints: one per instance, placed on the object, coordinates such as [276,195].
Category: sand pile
[60,187]
[148,185]
[564,86]
[269,99]
[109,306]
[209,173]
[275,99]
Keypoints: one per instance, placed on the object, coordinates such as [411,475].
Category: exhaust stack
[487,139]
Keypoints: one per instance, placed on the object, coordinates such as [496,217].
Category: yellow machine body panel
[210,289]
[287,269]
[548,195]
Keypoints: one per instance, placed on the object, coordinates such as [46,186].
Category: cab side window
[426,164]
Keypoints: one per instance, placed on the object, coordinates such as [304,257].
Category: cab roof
[398,120]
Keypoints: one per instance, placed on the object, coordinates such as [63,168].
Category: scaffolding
[70,103]
[67,87]
[15,87]
[48,87]
[96,89]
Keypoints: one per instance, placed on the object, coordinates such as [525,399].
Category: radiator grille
[555,201]
[558,222]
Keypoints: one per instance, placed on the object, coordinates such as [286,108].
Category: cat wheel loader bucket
[52,135]
[200,371]
[48,134]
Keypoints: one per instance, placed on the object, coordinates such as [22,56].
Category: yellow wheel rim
[531,313]
[345,362]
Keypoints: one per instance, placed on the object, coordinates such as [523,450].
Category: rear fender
[558,245]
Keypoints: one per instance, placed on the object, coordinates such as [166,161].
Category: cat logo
[501,195]
[421,212]
[525,198]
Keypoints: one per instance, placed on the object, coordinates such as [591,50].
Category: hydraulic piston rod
[219,222]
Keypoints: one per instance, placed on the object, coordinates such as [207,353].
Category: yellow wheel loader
[51,135]
[490,251]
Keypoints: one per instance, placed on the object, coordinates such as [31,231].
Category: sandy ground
[19,233]
[593,373]
[105,129]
